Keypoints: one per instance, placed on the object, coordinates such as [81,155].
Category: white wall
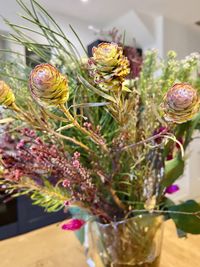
[183,39]
[135,28]
[149,32]
[9,10]
[158,32]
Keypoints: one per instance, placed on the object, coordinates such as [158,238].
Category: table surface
[52,247]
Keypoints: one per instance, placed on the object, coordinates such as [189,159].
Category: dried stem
[82,129]
[146,140]
[197,213]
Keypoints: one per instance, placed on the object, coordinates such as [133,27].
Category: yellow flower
[108,66]
[107,54]
[181,103]
[48,86]
[7,97]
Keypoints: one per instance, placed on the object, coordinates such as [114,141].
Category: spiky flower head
[7,97]
[181,103]
[48,86]
[108,66]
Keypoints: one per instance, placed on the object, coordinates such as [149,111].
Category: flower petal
[73,224]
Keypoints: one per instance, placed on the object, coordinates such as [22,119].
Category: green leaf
[87,105]
[188,223]
[173,170]
[80,42]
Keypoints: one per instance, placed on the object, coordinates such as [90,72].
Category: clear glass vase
[135,242]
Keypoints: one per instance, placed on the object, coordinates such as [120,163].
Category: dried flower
[73,225]
[108,66]
[7,97]
[48,86]
[181,103]
[172,189]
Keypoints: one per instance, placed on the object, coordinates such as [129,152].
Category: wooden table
[52,247]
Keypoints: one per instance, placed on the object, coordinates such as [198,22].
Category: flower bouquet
[77,135]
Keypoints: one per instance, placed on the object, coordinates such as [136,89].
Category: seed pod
[7,97]
[181,103]
[48,86]
[108,66]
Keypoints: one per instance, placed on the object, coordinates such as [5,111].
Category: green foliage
[173,170]
[181,214]
[49,197]
[127,165]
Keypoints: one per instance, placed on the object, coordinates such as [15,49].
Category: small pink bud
[66,203]
[77,155]
[20,144]
[172,189]
[76,163]
[66,183]
[73,225]
[38,141]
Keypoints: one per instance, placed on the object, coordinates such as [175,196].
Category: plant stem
[73,140]
[146,140]
[82,129]
[197,213]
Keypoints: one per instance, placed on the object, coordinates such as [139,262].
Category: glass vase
[135,242]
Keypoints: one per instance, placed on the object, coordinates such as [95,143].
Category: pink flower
[77,155]
[66,183]
[20,144]
[73,224]
[76,164]
[172,189]
[66,203]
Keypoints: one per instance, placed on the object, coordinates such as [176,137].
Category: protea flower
[108,66]
[181,103]
[7,97]
[48,86]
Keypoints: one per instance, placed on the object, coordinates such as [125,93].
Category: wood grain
[51,247]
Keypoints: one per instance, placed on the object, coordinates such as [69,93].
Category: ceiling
[104,11]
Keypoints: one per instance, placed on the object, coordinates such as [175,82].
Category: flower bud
[172,189]
[48,86]
[181,103]
[73,225]
[7,97]
[108,66]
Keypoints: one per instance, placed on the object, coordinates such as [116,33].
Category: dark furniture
[19,216]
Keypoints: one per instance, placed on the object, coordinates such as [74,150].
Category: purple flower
[73,225]
[172,189]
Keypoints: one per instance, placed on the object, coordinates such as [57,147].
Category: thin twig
[197,213]
[146,140]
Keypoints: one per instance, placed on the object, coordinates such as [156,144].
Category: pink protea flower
[48,86]
[181,103]
[172,189]
[73,225]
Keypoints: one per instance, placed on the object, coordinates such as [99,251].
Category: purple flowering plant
[77,133]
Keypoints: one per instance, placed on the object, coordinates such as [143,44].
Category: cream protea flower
[181,103]
[7,97]
[108,66]
[48,86]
